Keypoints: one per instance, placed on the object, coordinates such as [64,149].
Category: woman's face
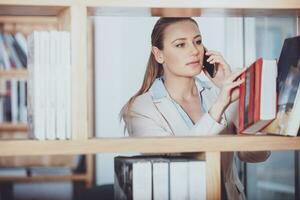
[183,51]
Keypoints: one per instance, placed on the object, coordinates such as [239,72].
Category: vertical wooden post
[90,170]
[79,71]
[213,175]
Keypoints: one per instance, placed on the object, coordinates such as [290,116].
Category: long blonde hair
[154,69]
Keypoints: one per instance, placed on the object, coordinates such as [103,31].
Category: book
[160,173]
[287,118]
[133,179]
[13,172]
[257,101]
[49,92]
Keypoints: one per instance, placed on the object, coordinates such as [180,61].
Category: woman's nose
[194,50]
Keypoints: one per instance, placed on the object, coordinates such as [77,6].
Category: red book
[241,104]
[258,96]
[257,89]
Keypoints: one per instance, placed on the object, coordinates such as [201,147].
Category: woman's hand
[226,80]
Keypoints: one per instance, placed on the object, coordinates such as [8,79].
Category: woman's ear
[158,55]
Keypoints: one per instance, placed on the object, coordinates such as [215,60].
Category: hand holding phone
[210,68]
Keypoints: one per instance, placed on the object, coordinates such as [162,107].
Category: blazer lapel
[168,110]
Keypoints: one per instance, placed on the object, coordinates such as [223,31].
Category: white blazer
[153,115]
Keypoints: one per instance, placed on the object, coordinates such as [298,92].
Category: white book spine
[142,181]
[60,124]
[197,180]
[268,90]
[68,87]
[51,87]
[40,84]
[178,180]
[160,180]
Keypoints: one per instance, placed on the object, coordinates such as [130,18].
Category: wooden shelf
[20,74]
[10,127]
[227,4]
[56,178]
[203,8]
[37,2]
[149,145]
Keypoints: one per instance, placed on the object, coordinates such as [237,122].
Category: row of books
[13,51]
[13,101]
[159,178]
[270,96]
[34,171]
[49,85]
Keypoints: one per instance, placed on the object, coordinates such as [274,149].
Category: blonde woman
[172,101]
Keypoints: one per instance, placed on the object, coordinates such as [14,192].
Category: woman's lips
[193,63]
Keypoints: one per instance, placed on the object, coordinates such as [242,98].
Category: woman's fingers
[219,60]
[236,74]
[210,52]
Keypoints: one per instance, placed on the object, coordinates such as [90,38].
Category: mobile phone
[210,68]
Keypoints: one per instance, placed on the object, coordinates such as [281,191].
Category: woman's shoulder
[143,102]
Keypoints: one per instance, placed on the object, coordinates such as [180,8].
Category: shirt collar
[158,89]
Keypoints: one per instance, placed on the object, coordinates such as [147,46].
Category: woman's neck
[181,88]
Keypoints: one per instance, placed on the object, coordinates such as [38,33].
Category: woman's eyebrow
[185,38]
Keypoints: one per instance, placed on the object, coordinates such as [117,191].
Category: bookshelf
[26,16]
[73,16]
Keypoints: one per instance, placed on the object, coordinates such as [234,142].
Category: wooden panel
[23,10]
[20,74]
[54,178]
[149,145]
[213,176]
[36,2]
[90,171]
[64,20]
[79,72]
[28,20]
[248,4]
[90,68]
[9,127]
[190,12]
[26,24]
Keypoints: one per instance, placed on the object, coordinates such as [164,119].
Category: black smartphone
[210,68]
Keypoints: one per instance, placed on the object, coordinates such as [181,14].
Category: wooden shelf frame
[149,145]
[225,4]
[56,178]
[20,74]
[71,15]
[11,127]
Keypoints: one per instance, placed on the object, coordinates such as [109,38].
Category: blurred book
[14,171]
[257,96]
[287,120]
[46,171]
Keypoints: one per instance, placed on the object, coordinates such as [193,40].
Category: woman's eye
[199,42]
[180,45]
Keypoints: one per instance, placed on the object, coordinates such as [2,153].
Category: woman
[172,101]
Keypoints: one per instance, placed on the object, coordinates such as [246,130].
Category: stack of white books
[159,178]
[49,85]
